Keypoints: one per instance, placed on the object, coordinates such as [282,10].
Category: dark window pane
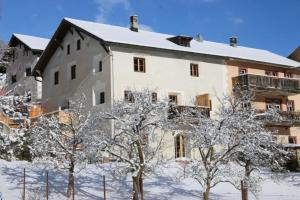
[56,76]
[73,72]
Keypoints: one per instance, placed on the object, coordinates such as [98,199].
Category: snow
[116,34]
[163,185]
[36,43]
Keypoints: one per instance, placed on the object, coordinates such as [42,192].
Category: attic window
[181,40]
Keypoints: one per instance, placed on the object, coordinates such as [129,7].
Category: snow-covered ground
[161,186]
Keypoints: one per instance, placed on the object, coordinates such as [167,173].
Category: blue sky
[267,24]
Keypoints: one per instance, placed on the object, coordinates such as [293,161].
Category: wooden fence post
[242,190]
[47,185]
[104,188]
[24,181]
[73,194]
[142,187]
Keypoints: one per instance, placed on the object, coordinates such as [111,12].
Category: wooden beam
[81,36]
[59,44]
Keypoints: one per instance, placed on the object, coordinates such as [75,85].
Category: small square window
[102,98]
[242,71]
[78,44]
[128,96]
[56,78]
[194,70]
[68,49]
[73,72]
[100,66]
[271,73]
[28,71]
[139,64]
[173,99]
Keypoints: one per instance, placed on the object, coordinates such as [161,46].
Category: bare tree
[63,139]
[139,124]
[236,132]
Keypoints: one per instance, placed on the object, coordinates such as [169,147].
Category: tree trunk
[71,180]
[247,175]
[206,194]
[207,190]
[136,189]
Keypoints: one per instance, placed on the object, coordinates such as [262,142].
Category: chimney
[134,26]
[233,41]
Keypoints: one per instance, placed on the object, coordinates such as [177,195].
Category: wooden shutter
[203,100]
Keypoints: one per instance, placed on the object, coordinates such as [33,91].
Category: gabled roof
[295,55]
[32,42]
[108,34]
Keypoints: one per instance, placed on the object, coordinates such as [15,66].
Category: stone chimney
[134,26]
[233,41]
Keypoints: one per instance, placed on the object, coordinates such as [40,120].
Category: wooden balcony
[176,110]
[288,118]
[268,84]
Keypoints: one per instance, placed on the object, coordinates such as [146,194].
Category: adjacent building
[106,62]
[25,52]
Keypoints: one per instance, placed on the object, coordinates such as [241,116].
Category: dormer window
[181,40]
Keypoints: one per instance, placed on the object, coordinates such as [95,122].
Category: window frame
[273,103]
[101,97]
[68,49]
[56,77]
[288,75]
[241,71]
[73,72]
[194,69]
[78,44]
[139,64]
[128,96]
[170,96]
[290,106]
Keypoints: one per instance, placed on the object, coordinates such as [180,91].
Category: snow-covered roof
[35,43]
[123,35]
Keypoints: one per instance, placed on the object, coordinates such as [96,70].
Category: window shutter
[203,100]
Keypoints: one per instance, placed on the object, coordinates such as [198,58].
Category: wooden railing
[287,116]
[176,110]
[260,82]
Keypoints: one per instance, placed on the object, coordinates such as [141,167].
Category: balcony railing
[287,117]
[192,111]
[267,83]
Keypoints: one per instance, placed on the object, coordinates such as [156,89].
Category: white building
[105,62]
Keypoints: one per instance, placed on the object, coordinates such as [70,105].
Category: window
[194,69]
[139,64]
[290,106]
[100,66]
[273,104]
[173,99]
[292,139]
[78,44]
[73,72]
[242,71]
[271,73]
[68,49]
[288,75]
[56,78]
[102,98]
[13,78]
[179,146]
[128,96]
[154,97]
[28,71]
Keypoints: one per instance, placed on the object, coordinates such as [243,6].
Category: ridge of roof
[33,42]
